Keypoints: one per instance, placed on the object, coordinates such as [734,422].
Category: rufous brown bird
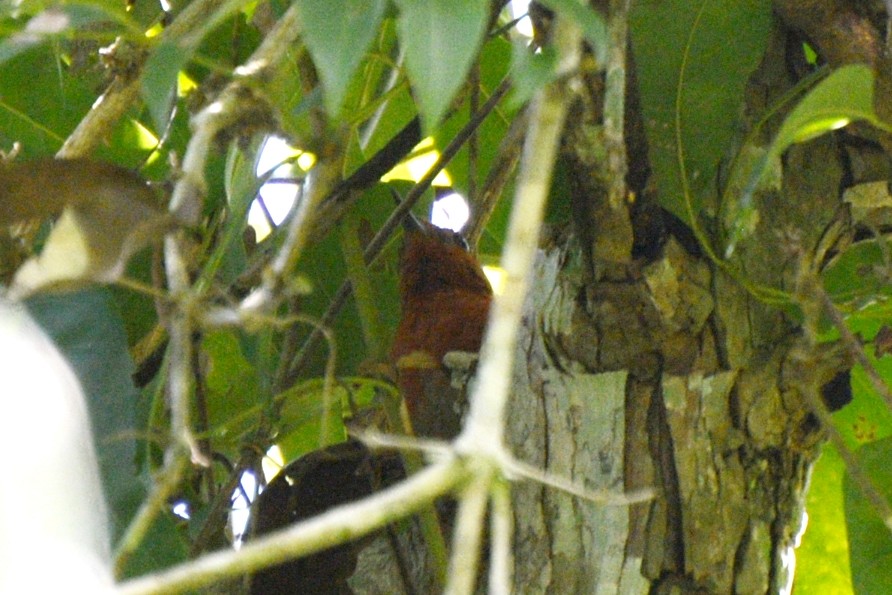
[444,299]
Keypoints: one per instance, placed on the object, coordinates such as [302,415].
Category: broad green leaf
[89,332]
[495,63]
[869,539]
[858,274]
[440,40]
[867,418]
[710,48]
[170,56]
[337,34]
[41,113]
[301,414]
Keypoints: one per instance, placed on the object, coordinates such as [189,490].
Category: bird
[444,306]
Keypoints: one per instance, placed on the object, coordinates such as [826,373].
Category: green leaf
[159,81]
[232,384]
[710,48]
[440,40]
[869,538]
[845,96]
[822,558]
[859,273]
[42,112]
[302,412]
[90,334]
[530,72]
[495,62]
[337,34]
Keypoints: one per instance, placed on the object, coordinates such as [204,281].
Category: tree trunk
[666,372]
[628,389]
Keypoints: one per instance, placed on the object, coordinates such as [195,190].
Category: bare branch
[335,526]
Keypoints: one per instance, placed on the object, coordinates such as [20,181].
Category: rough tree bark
[664,371]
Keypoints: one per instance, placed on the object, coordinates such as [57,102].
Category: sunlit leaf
[822,558]
[845,96]
[870,539]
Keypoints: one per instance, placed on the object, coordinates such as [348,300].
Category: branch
[500,172]
[483,436]
[466,540]
[100,121]
[484,431]
[335,526]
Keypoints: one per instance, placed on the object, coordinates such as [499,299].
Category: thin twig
[179,331]
[221,503]
[168,480]
[852,344]
[473,145]
[320,180]
[813,299]
[523,470]
[853,466]
[511,467]
[500,172]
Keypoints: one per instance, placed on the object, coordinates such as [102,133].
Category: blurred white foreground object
[53,523]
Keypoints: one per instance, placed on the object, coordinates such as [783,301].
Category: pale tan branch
[335,526]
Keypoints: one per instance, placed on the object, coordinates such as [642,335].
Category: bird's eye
[460,241]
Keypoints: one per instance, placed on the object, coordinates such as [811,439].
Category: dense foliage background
[191,92]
